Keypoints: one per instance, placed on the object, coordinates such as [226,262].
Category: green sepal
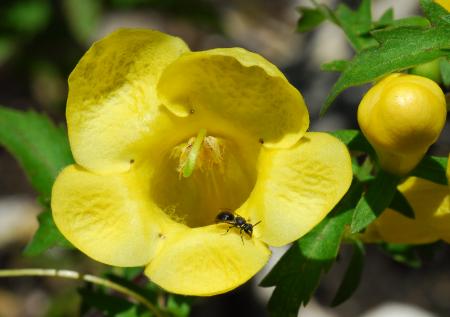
[378,197]
[432,168]
[352,275]
[401,205]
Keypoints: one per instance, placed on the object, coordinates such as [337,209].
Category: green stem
[82,277]
[188,168]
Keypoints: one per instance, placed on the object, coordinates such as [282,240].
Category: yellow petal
[231,91]
[430,202]
[112,107]
[395,228]
[206,261]
[297,187]
[106,217]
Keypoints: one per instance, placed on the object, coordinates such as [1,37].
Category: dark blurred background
[41,42]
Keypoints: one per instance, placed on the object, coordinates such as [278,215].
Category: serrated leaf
[41,148]
[432,168]
[354,140]
[444,66]
[46,236]
[298,272]
[357,24]
[399,48]
[334,66]
[309,19]
[401,205]
[352,275]
[378,197]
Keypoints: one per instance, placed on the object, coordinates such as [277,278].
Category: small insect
[236,221]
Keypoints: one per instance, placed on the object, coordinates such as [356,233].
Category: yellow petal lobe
[112,108]
[297,187]
[236,93]
[106,217]
[206,261]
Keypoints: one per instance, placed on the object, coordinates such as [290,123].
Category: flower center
[203,175]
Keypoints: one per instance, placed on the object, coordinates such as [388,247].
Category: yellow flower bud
[401,116]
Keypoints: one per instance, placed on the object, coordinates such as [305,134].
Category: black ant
[236,221]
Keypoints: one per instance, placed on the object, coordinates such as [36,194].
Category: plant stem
[82,277]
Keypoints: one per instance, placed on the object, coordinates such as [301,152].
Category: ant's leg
[227,230]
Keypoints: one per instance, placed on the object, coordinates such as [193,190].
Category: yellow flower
[431,205]
[139,102]
[401,116]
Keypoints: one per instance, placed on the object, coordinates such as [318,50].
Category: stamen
[191,160]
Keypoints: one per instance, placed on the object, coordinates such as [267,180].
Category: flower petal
[106,217]
[112,100]
[204,261]
[239,89]
[393,227]
[430,202]
[297,187]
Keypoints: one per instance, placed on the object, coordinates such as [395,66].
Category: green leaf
[179,306]
[357,24]
[41,148]
[352,275]
[46,236]
[401,205]
[378,197]
[354,140]
[310,18]
[298,272]
[132,312]
[399,49]
[334,66]
[402,253]
[387,18]
[434,12]
[413,21]
[445,71]
[107,304]
[432,168]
